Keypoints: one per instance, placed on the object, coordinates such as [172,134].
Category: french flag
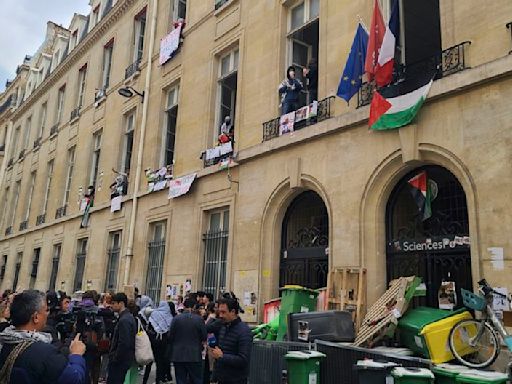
[386,60]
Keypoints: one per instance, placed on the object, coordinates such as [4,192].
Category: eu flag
[354,68]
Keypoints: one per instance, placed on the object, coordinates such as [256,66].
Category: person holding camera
[290,89]
[232,353]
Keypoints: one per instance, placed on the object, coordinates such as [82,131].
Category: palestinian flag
[397,105]
[422,194]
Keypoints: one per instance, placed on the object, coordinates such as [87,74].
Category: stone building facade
[278,209]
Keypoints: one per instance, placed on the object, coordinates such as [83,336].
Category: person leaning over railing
[27,355]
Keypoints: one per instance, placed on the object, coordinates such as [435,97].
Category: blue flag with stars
[354,68]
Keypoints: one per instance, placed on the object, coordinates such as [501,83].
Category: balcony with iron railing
[217,154]
[448,62]
[8,230]
[40,219]
[60,212]
[37,143]
[23,225]
[75,113]
[54,130]
[323,111]
[132,69]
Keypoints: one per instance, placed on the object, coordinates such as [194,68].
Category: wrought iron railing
[448,62]
[132,69]
[21,155]
[54,130]
[271,127]
[23,225]
[40,219]
[60,212]
[208,162]
[8,230]
[37,143]
[75,113]
[220,3]
[215,259]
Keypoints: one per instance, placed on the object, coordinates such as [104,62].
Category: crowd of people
[96,338]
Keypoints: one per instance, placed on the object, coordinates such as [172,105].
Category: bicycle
[476,343]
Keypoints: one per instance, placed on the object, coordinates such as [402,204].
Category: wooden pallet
[346,291]
[379,320]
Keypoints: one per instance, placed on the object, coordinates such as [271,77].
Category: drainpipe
[138,171]
[7,149]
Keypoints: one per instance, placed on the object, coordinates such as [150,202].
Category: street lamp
[129,92]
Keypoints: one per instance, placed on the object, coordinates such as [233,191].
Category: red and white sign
[181,185]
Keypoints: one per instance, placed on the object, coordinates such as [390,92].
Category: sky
[23,28]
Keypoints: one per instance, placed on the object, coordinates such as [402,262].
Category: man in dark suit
[122,349]
[187,337]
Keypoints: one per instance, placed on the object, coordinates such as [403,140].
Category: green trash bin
[304,367]
[403,375]
[447,373]
[473,376]
[412,323]
[294,299]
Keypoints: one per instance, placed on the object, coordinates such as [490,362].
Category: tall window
[29,196]
[55,266]
[15,139]
[4,267]
[228,75]
[17,268]
[171,116]
[113,260]
[129,121]
[60,103]
[95,16]
[303,37]
[215,241]
[179,9]
[42,120]
[49,177]
[96,151]
[5,206]
[156,249]
[107,64]
[35,267]
[14,202]
[26,134]
[81,253]
[140,29]
[69,175]
[82,75]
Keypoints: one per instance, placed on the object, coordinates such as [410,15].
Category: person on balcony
[290,89]
[311,73]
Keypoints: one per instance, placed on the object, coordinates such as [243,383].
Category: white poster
[497,258]
[500,303]
[286,123]
[169,44]
[181,185]
[115,204]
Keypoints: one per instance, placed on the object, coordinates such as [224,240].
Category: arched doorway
[304,242]
[431,243]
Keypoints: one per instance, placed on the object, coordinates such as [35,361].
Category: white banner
[181,185]
[169,44]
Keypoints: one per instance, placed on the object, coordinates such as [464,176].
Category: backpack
[11,374]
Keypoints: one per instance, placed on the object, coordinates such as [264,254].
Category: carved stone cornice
[121,7]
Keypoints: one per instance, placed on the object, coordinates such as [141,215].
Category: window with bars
[128,142]
[96,152]
[69,176]
[81,253]
[171,116]
[49,177]
[17,269]
[35,267]
[227,85]
[156,257]
[113,261]
[55,266]
[107,64]
[215,241]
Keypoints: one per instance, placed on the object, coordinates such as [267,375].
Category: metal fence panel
[155,270]
[215,258]
[267,360]
[112,267]
[337,368]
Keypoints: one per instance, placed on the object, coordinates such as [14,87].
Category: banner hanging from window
[169,44]
[181,185]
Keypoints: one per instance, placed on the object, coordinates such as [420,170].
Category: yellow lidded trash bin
[436,337]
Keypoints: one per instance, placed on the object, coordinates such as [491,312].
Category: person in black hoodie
[233,352]
[122,348]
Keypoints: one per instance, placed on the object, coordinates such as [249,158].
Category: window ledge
[100,101]
[74,120]
[223,7]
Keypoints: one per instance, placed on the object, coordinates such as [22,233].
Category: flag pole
[362,23]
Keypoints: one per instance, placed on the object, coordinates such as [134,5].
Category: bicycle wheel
[474,343]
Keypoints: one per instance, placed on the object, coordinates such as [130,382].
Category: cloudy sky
[23,27]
